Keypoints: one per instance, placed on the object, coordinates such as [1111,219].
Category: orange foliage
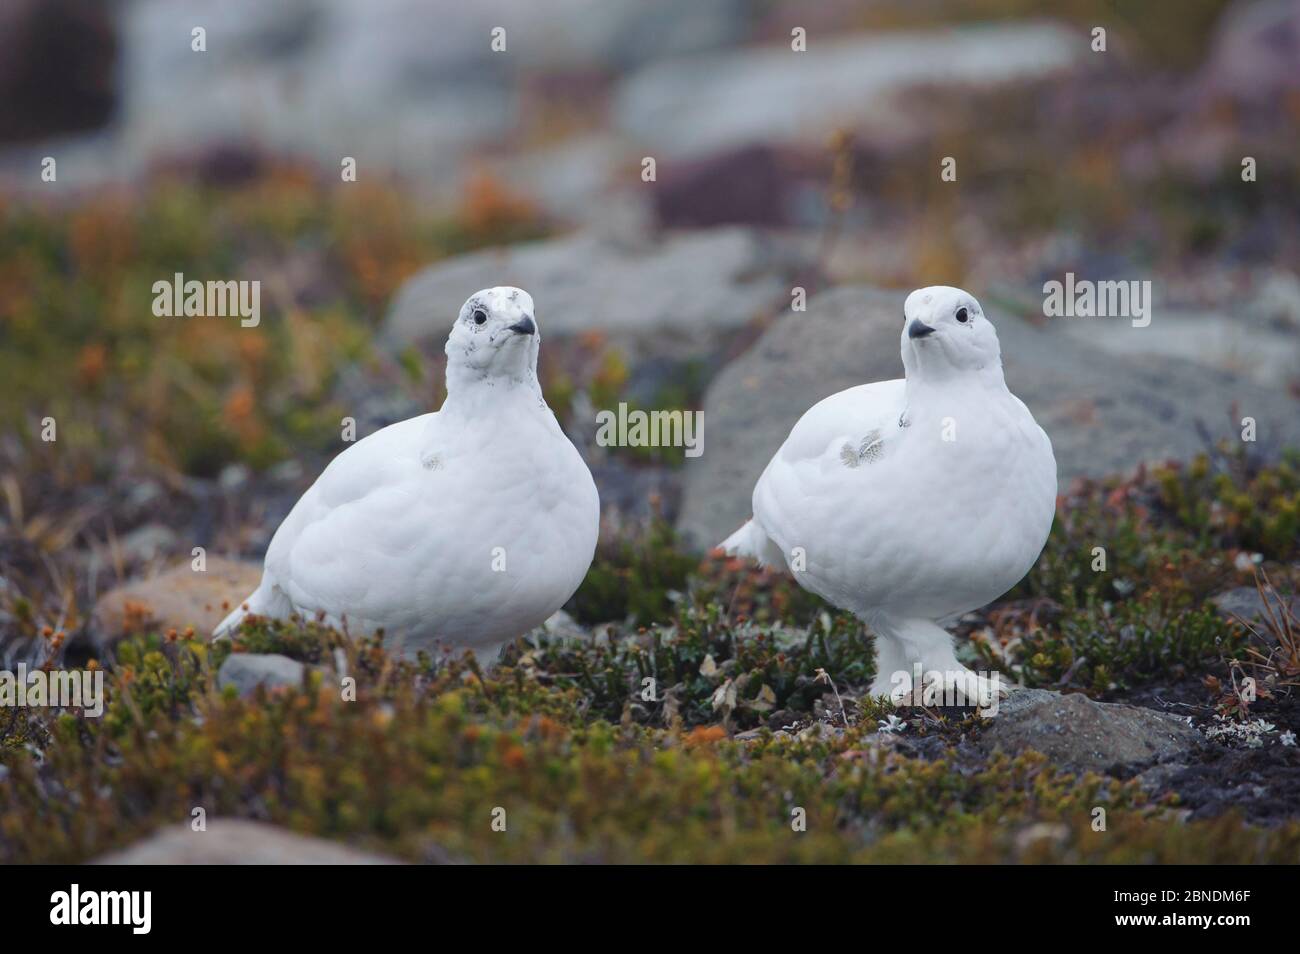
[488,205]
[91,363]
[705,735]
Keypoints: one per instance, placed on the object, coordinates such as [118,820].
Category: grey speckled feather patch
[871,449]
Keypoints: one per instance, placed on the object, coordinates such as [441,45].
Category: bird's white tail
[266,600]
[751,541]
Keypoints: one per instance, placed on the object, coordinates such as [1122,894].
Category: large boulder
[694,106]
[232,841]
[1078,734]
[175,599]
[1105,411]
[1250,343]
[691,285]
[407,85]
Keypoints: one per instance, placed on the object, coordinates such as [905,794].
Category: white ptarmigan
[910,500]
[463,528]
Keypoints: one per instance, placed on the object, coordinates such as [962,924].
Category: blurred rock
[577,181]
[303,77]
[147,543]
[176,599]
[1106,412]
[724,101]
[247,671]
[1255,350]
[233,841]
[693,284]
[1277,300]
[370,406]
[1245,603]
[1245,93]
[635,492]
[1078,734]
[406,85]
[1255,58]
[234,477]
[562,628]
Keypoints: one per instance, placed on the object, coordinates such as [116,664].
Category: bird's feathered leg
[891,664]
[928,644]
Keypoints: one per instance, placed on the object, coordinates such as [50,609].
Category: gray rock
[372,408]
[247,671]
[1257,350]
[410,85]
[1244,603]
[709,281]
[1255,53]
[231,841]
[688,107]
[577,180]
[1277,299]
[1160,777]
[1081,735]
[175,599]
[147,543]
[234,477]
[1105,412]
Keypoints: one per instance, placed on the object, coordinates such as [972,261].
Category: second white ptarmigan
[910,500]
[460,529]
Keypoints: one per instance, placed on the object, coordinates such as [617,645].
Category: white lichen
[1249,734]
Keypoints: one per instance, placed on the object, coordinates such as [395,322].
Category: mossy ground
[694,731]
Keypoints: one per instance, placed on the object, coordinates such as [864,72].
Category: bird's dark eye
[962,315]
[480,316]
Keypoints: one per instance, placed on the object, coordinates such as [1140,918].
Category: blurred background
[774,169]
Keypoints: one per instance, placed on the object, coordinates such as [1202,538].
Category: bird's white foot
[882,686]
[954,685]
[893,669]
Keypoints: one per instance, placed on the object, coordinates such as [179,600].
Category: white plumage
[910,500]
[460,529]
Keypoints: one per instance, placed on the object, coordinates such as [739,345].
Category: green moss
[634,578]
[417,769]
[663,676]
[1229,501]
[1118,597]
[1105,647]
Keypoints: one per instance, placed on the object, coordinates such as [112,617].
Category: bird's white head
[945,333]
[495,338]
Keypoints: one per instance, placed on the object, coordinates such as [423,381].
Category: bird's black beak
[919,329]
[524,326]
